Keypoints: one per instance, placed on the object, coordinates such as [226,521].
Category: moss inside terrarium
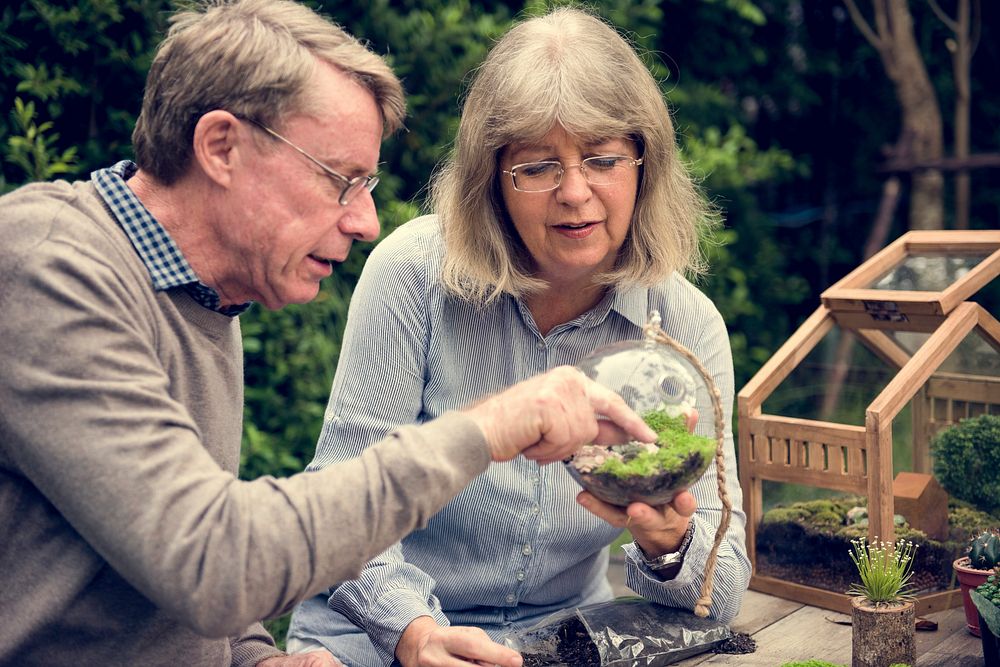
[675,445]
[807,543]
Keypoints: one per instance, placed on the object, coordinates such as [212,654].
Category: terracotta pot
[968,579]
[882,636]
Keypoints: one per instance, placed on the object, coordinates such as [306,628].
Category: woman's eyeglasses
[547,174]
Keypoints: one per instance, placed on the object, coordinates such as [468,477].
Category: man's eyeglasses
[547,175]
[349,187]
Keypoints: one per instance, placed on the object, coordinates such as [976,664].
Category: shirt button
[540,345]
[534,509]
[510,599]
[535,479]
[526,550]
[520,575]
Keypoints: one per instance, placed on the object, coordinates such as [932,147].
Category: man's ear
[217,145]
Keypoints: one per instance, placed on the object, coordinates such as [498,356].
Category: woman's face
[577,229]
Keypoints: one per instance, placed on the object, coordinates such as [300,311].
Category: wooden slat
[820,478]
[934,602]
[872,269]
[905,301]
[784,361]
[816,597]
[768,436]
[920,426]
[952,386]
[774,426]
[951,241]
[854,321]
[978,277]
[989,328]
[880,498]
[924,362]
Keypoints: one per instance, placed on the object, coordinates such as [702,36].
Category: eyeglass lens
[598,170]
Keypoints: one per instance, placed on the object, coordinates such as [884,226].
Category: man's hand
[311,659]
[549,416]
[426,644]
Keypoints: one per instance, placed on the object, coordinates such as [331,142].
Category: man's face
[291,226]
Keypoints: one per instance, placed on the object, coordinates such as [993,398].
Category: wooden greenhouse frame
[858,459]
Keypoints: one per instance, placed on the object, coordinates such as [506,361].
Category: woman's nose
[573,187]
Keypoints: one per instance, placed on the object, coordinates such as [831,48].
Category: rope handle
[655,333]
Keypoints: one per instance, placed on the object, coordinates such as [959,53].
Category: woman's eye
[603,163]
[536,169]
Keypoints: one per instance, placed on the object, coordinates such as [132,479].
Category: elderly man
[127,537]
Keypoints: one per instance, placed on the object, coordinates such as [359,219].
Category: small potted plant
[972,570]
[986,598]
[882,609]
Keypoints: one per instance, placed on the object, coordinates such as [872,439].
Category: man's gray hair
[253,58]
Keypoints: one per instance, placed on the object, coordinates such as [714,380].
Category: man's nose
[359,219]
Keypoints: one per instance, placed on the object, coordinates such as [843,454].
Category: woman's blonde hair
[253,58]
[566,68]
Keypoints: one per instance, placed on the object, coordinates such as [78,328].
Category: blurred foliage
[966,457]
[782,111]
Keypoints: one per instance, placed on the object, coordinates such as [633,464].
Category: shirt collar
[158,251]
[629,303]
[632,304]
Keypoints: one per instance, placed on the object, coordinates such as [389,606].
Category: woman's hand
[426,644]
[658,530]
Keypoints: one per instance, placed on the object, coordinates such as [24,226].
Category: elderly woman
[563,217]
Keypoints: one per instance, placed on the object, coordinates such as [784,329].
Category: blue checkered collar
[163,259]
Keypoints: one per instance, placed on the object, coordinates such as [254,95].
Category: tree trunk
[922,130]
[961,55]
[882,636]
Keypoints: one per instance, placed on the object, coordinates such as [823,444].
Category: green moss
[675,447]
[786,514]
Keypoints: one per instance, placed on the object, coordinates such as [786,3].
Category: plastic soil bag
[625,632]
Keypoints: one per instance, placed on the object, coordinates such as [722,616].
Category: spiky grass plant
[885,570]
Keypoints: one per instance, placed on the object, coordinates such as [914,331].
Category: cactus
[984,550]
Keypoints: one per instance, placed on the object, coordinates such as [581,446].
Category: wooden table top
[787,631]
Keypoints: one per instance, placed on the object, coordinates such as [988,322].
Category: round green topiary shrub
[966,458]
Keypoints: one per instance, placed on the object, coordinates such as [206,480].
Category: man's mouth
[323,260]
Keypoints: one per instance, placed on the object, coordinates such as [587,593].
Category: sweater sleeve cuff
[254,645]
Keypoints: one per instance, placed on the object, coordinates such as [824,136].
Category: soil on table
[740,643]
[567,644]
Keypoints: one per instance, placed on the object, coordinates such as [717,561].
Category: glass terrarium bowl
[662,387]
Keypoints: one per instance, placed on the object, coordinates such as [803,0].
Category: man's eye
[536,169]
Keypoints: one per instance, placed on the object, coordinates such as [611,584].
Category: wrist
[669,559]
[413,639]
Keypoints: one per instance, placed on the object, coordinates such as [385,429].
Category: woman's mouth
[576,230]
